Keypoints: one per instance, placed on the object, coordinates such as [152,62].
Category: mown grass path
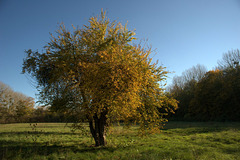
[179,140]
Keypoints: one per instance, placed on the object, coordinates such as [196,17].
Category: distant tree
[206,104]
[6,103]
[183,88]
[193,74]
[44,114]
[212,95]
[14,106]
[24,107]
[230,59]
[5,94]
[216,97]
[232,93]
[39,115]
[98,73]
[3,106]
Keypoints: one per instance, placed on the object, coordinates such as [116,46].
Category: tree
[216,97]
[98,73]
[7,103]
[207,102]
[183,88]
[24,107]
[14,106]
[230,59]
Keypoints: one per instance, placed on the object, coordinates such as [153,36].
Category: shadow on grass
[16,150]
[38,132]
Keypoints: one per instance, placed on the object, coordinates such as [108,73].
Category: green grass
[179,140]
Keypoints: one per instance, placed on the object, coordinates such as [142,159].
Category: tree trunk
[97,127]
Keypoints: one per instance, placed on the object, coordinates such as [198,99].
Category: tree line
[209,95]
[15,107]
[202,96]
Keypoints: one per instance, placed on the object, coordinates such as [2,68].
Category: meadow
[178,140]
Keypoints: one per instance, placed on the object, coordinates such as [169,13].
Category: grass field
[179,140]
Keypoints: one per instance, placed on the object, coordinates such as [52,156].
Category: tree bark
[97,128]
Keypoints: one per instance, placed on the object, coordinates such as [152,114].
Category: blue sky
[183,33]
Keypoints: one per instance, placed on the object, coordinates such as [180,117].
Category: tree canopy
[214,96]
[98,73]
[229,60]
[14,106]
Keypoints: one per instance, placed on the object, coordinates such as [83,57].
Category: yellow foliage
[109,74]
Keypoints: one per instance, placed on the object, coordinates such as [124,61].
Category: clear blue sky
[183,32]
